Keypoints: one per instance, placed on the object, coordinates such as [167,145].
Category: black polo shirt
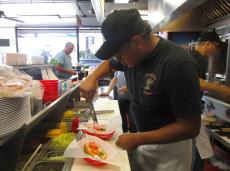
[164,87]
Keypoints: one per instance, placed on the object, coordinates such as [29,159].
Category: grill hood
[197,15]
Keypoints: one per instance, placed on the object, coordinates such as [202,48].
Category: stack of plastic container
[51,90]
[14,112]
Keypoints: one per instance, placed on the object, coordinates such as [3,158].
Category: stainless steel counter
[221,110]
[222,139]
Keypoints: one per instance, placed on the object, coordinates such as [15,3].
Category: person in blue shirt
[64,67]
[118,81]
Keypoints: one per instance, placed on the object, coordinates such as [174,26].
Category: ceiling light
[121,1]
[175,3]
[155,17]
[46,19]
[144,14]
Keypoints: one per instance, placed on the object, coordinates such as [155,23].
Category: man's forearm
[62,69]
[181,130]
[220,90]
[88,87]
[112,84]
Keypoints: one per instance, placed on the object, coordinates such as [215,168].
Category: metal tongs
[80,135]
[74,103]
[93,113]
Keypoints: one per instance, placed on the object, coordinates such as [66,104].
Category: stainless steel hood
[197,15]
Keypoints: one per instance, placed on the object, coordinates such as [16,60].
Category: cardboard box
[16,59]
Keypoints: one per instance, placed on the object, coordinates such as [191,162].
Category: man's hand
[128,141]
[73,72]
[104,94]
[60,68]
[88,88]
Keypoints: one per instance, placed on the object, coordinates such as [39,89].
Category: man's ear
[208,43]
[138,41]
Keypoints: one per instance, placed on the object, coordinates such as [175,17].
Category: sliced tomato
[93,145]
[99,128]
[94,151]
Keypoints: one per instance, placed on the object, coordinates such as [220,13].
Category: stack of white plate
[14,112]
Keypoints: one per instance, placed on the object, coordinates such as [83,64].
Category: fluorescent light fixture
[46,19]
[155,17]
[175,3]
[99,6]
[121,1]
[144,14]
[144,17]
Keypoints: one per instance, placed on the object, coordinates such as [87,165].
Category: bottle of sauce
[75,124]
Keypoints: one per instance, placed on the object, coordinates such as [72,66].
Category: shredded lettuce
[63,140]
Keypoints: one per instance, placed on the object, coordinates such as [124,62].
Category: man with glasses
[118,84]
[163,84]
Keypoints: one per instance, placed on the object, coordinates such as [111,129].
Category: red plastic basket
[101,136]
[94,162]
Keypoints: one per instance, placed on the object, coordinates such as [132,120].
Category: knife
[94,116]
[99,112]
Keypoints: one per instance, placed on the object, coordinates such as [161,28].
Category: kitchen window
[90,40]
[47,42]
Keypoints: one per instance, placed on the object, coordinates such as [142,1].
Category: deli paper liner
[76,150]
[111,126]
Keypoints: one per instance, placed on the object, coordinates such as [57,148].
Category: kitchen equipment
[74,102]
[47,166]
[35,105]
[53,155]
[99,112]
[94,116]
[80,134]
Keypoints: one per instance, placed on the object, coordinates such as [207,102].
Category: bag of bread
[13,83]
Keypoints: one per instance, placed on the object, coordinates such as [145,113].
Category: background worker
[119,82]
[64,67]
[163,84]
[208,44]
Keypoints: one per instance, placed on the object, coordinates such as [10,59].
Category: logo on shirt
[150,78]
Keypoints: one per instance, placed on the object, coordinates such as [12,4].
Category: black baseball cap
[118,28]
[209,36]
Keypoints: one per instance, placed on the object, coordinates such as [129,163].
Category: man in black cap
[163,83]
[208,45]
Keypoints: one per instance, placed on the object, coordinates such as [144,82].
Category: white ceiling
[58,14]
[63,12]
